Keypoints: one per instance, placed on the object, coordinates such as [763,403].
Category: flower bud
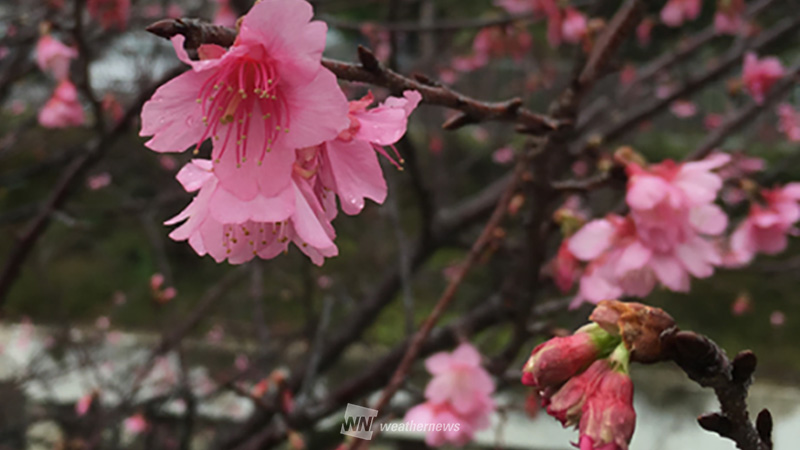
[566,405]
[559,359]
[640,327]
[608,418]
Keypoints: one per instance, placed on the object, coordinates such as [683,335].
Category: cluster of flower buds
[584,380]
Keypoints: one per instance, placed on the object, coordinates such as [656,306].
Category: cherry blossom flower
[561,358]
[54,57]
[84,403]
[99,181]
[259,101]
[220,224]
[729,18]
[110,13]
[565,268]
[683,108]
[224,16]
[503,155]
[777,318]
[63,109]
[665,238]
[675,12]
[789,122]
[459,393]
[574,26]
[135,424]
[767,225]
[644,30]
[758,75]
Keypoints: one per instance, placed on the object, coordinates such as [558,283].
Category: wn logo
[358,421]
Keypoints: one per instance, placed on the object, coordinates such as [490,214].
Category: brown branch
[685,49]
[730,60]
[438,26]
[737,120]
[371,71]
[65,186]
[708,365]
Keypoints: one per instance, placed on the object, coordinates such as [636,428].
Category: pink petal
[172,116]
[307,223]
[633,257]
[193,175]
[357,173]
[592,239]
[670,273]
[645,191]
[708,219]
[438,363]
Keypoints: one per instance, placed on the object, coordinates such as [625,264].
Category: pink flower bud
[559,359]
[608,418]
[566,405]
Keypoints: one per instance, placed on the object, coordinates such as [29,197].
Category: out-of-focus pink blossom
[135,424]
[683,108]
[516,6]
[174,11]
[324,282]
[215,334]
[644,30]
[112,106]
[777,318]
[84,403]
[459,393]
[767,225]
[242,362]
[99,181]
[627,75]
[63,109]
[54,57]
[789,122]
[379,40]
[167,162]
[167,294]
[675,12]
[110,13]
[712,121]
[503,155]
[574,27]
[494,42]
[224,16]
[743,304]
[729,18]
[259,101]
[565,268]
[156,281]
[758,75]
[102,323]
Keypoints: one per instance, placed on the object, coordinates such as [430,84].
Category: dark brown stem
[708,365]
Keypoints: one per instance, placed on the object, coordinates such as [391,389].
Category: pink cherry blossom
[135,424]
[767,225]
[789,122]
[516,6]
[683,108]
[84,403]
[54,57]
[259,101]
[758,75]
[675,12]
[63,109]
[459,393]
[777,318]
[644,30]
[222,225]
[712,121]
[503,155]
[224,16]
[110,13]
[729,18]
[574,26]
[565,268]
[99,181]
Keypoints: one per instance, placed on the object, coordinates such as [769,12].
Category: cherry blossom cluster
[458,394]
[674,230]
[285,141]
[583,379]
[63,109]
[564,22]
